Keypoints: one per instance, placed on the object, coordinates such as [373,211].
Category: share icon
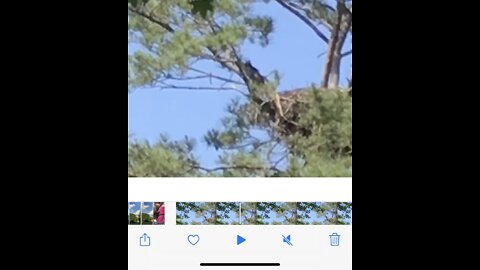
[287,240]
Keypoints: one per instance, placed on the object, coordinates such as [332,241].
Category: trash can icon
[334,240]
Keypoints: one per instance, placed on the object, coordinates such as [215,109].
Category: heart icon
[193,239]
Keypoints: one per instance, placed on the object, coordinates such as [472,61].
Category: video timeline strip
[243,213]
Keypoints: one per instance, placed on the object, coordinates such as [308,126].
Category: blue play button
[240,239]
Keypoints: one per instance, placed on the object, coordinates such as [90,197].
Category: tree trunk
[334,80]
[331,52]
[295,213]
[215,206]
[337,55]
[331,75]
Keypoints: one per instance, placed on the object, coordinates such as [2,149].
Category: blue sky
[294,52]
[147,207]
[134,207]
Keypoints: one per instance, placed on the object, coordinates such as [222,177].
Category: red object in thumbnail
[161,215]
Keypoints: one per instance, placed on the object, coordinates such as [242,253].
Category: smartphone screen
[239,134]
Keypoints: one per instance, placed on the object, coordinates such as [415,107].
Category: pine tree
[301,132]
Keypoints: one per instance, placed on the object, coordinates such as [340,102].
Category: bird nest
[284,114]
[290,101]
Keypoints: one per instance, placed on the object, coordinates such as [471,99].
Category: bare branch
[280,160]
[346,53]
[305,20]
[205,88]
[217,77]
[162,85]
[308,12]
[199,77]
[327,7]
[188,78]
[239,167]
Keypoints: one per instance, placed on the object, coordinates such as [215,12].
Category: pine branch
[152,19]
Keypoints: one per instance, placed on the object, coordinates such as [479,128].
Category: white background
[170,249]
[240,189]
